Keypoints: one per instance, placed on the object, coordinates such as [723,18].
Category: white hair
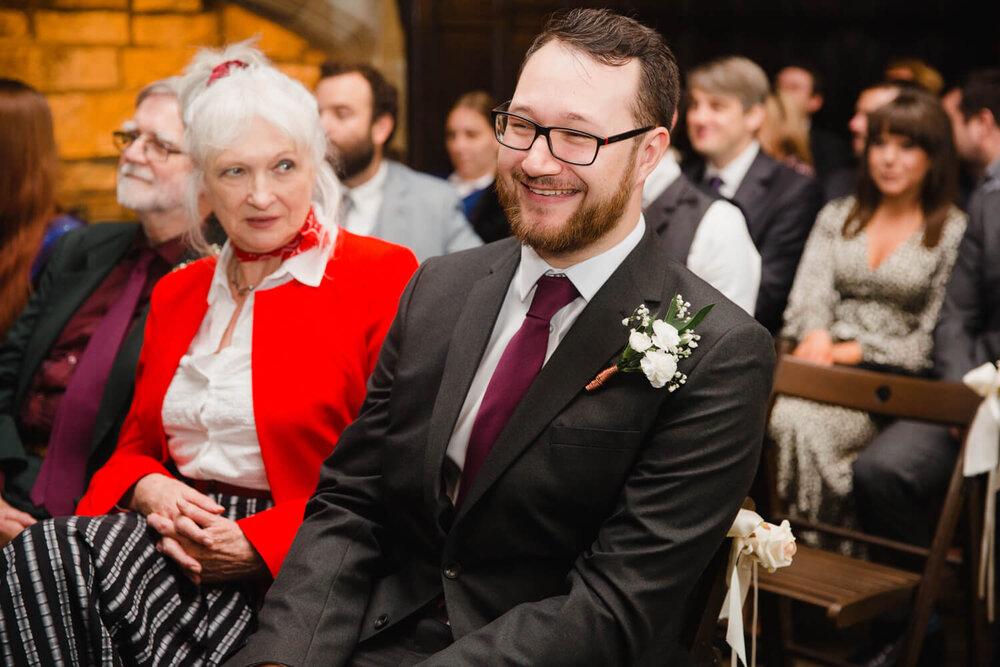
[219,114]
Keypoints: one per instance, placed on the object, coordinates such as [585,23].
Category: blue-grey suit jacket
[422,213]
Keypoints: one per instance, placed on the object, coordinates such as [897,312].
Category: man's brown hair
[611,39]
[385,98]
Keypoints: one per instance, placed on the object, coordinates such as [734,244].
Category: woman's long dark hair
[920,118]
[27,190]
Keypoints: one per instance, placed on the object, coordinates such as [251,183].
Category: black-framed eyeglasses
[571,146]
[153,147]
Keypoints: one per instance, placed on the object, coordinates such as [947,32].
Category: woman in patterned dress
[867,293]
[254,361]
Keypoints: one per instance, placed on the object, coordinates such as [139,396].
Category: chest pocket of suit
[592,464]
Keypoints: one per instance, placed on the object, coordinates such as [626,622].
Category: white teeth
[549,192]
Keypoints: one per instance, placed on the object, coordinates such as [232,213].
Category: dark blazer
[780,206]
[830,151]
[968,330]
[676,214]
[589,521]
[79,263]
[488,218]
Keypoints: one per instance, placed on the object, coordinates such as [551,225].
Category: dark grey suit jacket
[78,265]
[676,214]
[780,206]
[968,330]
[589,521]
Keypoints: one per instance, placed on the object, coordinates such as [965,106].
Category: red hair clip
[222,70]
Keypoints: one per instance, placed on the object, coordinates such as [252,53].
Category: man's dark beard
[348,163]
[585,226]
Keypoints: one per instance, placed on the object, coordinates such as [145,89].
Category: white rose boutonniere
[656,344]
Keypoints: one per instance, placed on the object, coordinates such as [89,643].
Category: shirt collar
[588,276]
[475,184]
[307,268]
[732,174]
[372,187]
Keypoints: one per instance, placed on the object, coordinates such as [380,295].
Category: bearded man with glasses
[486,508]
[67,367]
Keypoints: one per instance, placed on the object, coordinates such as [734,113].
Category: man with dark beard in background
[384,198]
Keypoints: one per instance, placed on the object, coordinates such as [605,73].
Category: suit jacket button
[451,570]
[381,621]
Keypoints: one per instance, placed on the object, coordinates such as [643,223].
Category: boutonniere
[656,344]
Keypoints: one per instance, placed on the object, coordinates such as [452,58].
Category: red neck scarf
[308,237]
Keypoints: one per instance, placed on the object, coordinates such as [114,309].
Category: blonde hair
[218,113]
[785,133]
[918,72]
[732,75]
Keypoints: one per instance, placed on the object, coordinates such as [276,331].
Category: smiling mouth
[549,193]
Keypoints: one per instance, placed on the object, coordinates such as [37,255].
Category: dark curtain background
[454,46]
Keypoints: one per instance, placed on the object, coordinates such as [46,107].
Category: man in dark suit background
[703,231]
[71,322]
[803,83]
[725,112]
[974,109]
[478,513]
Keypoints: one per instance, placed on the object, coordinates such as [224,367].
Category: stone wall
[91,57]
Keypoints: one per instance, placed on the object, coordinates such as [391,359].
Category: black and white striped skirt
[95,591]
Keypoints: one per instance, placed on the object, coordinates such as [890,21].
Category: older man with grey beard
[68,364]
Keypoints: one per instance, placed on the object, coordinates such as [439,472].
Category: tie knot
[551,294]
[715,183]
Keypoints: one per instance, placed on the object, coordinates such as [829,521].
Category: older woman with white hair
[254,362]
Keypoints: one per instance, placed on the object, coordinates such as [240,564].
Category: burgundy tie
[519,364]
[60,481]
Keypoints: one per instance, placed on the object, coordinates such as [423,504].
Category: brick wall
[91,57]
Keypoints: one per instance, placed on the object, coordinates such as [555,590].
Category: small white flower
[665,336]
[639,341]
[659,367]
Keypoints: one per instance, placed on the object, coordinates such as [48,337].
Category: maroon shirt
[41,401]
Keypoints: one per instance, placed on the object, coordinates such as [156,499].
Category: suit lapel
[592,344]
[464,354]
[68,292]
[752,193]
[392,212]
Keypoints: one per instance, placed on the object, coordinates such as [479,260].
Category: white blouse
[208,410]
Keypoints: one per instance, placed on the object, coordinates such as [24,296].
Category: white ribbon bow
[754,541]
[982,454]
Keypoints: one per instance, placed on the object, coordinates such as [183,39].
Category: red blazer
[313,350]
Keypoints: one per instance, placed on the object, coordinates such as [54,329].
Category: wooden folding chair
[852,590]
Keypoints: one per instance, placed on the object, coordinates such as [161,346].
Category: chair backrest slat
[879,393]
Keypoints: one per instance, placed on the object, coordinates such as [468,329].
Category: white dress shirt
[732,174]
[208,409]
[465,188]
[365,203]
[587,276]
[722,252]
